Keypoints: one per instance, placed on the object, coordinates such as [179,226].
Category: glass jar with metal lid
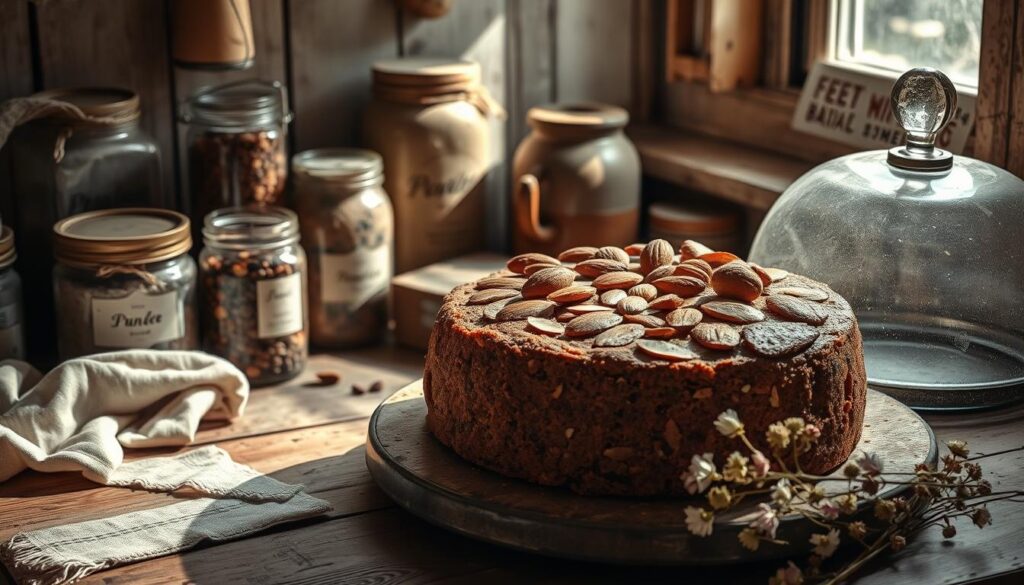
[70,162]
[237,147]
[253,279]
[12,335]
[124,279]
[429,120]
[346,223]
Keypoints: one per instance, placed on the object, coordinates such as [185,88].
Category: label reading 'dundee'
[279,306]
[356,277]
[137,320]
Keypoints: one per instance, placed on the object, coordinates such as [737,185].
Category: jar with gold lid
[12,335]
[429,120]
[253,280]
[346,223]
[124,279]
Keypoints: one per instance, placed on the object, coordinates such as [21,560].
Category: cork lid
[100,102]
[7,254]
[128,236]
[695,219]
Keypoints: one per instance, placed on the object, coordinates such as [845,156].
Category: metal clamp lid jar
[925,246]
[237,146]
[347,231]
[253,280]
[12,335]
[124,279]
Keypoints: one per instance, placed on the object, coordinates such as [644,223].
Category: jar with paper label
[12,334]
[253,281]
[346,221]
[124,279]
[430,121]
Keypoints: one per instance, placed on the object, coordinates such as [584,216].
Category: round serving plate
[429,480]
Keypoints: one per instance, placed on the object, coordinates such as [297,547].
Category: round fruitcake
[604,369]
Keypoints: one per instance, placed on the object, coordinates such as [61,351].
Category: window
[895,35]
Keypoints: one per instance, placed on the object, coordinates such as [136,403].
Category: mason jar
[253,281]
[237,145]
[429,120]
[345,219]
[12,334]
[61,167]
[124,279]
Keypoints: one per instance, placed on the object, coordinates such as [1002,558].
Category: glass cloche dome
[927,248]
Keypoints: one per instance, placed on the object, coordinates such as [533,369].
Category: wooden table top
[314,435]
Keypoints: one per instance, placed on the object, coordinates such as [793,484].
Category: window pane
[900,34]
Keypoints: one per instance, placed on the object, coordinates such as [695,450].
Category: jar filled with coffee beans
[347,231]
[124,279]
[237,150]
[253,291]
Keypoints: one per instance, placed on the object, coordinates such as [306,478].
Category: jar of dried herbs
[346,224]
[237,147]
[12,336]
[253,280]
[124,279]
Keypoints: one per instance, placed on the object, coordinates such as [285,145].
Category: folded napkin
[81,415]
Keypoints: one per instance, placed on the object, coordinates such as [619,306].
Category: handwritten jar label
[279,306]
[355,278]
[138,320]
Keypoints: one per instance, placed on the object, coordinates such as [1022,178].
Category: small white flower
[870,463]
[766,522]
[698,477]
[828,509]
[749,539]
[825,544]
[728,423]
[761,465]
[699,521]
[782,493]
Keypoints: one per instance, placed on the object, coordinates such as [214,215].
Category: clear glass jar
[12,335]
[253,277]
[61,168]
[237,145]
[346,223]
[124,279]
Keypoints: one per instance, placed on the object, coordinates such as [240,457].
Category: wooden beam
[994,107]
[1015,144]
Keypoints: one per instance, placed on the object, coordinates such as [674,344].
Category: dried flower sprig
[935,497]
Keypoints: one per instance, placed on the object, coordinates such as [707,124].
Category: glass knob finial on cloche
[923,102]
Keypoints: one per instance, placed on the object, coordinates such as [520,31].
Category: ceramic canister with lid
[253,282]
[124,279]
[577,180]
[12,334]
[429,122]
[345,219]
[716,227]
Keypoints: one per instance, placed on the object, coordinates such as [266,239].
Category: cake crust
[562,411]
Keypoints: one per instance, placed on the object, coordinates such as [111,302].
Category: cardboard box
[416,295]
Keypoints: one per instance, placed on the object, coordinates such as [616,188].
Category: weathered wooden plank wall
[531,51]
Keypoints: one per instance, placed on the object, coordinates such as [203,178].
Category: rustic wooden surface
[306,434]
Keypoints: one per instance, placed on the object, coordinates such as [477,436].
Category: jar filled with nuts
[237,151]
[253,274]
[346,224]
[124,279]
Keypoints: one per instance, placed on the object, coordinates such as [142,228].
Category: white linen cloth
[79,416]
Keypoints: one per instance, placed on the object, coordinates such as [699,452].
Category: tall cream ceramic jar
[429,122]
[577,180]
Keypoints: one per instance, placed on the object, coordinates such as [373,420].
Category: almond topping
[632,305]
[811,294]
[490,295]
[598,266]
[645,319]
[578,254]
[592,323]
[519,263]
[656,253]
[693,249]
[619,335]
[612,253]
[717,336]
[635,249]
[545,325]
[666,302]
[716,259]
[660,272]
[620,279]
[736,280]
[500,282]
[684,318]
[683,286]
[665,350]
[645,290]
[796,309]
[572,294]
[546,281]
[660,332]
[523,309]
[583,309]
[732,312]
[613,296]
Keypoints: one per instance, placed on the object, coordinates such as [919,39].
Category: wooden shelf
[744,175]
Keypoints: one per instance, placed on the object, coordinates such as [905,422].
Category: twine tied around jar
[108,270]
[18,111]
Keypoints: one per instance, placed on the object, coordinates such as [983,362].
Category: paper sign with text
[854,108]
